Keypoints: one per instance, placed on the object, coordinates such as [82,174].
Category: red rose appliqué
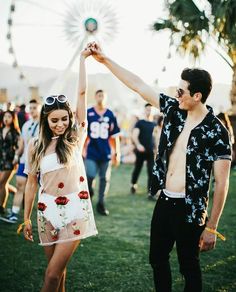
[61,185]
[83,124]
[83,195]
[81,179]
[77,232]
[41,206]
[62,200]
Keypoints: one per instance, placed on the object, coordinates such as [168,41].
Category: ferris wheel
[40,27]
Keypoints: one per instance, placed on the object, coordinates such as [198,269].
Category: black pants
[140,158]
[167,228]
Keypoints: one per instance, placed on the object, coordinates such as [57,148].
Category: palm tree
[193,28]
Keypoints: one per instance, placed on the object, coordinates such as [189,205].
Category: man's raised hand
[97,52]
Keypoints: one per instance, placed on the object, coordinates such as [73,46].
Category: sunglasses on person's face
[51,99]
[180,92]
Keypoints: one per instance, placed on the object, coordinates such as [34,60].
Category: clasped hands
[93,49]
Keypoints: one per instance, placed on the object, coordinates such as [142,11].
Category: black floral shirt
[208,142]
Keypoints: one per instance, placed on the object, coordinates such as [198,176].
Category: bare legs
[58,257]
[5,177]
[20,185]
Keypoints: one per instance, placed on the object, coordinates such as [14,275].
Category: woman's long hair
[14,127]
[65,143]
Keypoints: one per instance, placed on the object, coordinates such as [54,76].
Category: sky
[135,46]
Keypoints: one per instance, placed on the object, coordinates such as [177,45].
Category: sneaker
[133,189]
[102,210]
[11,218]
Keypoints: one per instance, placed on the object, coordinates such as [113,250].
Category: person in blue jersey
[103,134]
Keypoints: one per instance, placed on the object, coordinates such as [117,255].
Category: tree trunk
[233,92]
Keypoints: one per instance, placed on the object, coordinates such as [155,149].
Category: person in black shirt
[193,142]
[144,143]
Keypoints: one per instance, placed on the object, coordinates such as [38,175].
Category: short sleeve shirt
[30,130]
[100,129]
[146,134]
[209,141]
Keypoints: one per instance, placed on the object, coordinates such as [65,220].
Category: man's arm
[128,78]
[135,135]
[114,142]
[221,174]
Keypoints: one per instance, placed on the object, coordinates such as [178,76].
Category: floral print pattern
[209,141]
[41,206]
[64,207]
[83,195]
[62,200]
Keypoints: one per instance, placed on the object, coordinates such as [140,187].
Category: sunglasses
[180,92]
[51,99]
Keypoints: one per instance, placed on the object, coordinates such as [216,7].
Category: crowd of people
[61,153]
[106,144]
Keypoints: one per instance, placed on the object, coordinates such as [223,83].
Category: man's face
[34,110]
[186,101]
[100,98]
[148,111]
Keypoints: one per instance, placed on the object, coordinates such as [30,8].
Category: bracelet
[20,227]
[218,234]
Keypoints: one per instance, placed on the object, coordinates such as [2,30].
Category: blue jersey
[100,129]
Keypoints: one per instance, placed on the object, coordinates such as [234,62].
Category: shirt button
[167,199]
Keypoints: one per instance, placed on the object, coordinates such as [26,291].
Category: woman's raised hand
[86,52]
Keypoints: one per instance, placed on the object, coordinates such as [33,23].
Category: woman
[64,208]
[11,147]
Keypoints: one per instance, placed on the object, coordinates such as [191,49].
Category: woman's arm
[30,193]
[19,150]
[81,110]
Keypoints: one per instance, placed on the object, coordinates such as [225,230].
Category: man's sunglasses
[51,99]
[180,92]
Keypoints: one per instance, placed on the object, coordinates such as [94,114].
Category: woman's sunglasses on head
[51,99]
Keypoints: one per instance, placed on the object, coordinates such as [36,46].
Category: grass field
[117,259]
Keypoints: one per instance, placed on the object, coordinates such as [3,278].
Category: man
[22,116]
[102,131]
[30,129]
[193,142]
[143,139]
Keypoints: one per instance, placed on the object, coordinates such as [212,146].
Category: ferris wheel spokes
[40,5]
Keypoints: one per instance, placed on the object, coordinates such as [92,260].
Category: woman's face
[58,121]
[7,119]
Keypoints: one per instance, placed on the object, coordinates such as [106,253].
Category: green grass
[117,259]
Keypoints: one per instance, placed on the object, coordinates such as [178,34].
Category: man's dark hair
[99,91]
[22,107]
[147,104]
[199,81]
[33,101]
